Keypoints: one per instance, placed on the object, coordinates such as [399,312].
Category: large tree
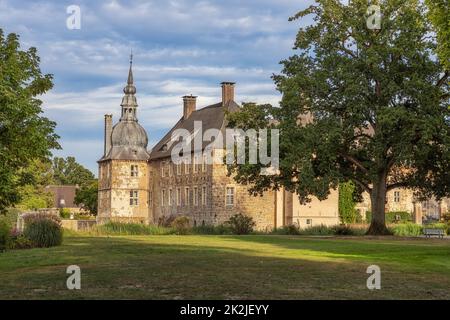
[25,135]
[69,171]
[378,101]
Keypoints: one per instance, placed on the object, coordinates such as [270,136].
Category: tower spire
[129,103]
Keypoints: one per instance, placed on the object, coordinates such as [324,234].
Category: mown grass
[229,267]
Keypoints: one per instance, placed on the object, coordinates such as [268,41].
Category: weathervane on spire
[131,57]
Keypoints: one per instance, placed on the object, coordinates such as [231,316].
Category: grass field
[229,267]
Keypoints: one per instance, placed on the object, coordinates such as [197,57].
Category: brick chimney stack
[227,92]
[189,105]
[108,131]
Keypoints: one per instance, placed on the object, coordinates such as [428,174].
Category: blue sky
[180,47]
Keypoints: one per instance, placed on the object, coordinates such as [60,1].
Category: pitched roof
[212,117]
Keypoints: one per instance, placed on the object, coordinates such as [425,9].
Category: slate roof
[212,117]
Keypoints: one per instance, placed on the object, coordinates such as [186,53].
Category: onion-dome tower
[123,169]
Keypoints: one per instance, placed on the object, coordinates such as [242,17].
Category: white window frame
[195,196]
[178,196]
[186,167]
[396,196]
[170,197]
[163,174]
[178,169]
[231,196]
[170,169]
[194,164]
[204,191]
[134,170]
[163,197]
[134,198]
[204,163]
[187,197]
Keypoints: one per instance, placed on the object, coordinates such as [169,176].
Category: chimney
[227,92]
[189,105]
[108,131]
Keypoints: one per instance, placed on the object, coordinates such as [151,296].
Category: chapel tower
[123,193]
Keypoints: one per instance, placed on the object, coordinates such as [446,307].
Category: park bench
[428,232]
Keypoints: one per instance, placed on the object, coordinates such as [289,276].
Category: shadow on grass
[205,267]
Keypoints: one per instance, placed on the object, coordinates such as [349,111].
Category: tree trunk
[378,201]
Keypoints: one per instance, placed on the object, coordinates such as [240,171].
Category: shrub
[391,217]
[210,229]
[5,235]
[31,217]
[320,230]
[180,225]
[64,213]
[121,228]
[44,232]
[165,221]
[22,242]
[287,230]
[406,229]
[347,230]
[241,224]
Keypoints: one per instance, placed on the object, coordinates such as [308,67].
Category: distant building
[63,196]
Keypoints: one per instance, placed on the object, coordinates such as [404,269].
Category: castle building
[146,186]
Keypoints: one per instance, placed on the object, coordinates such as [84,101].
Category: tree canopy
[25,134]
[69,172]
[361,105]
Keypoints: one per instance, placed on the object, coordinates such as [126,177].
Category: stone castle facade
[141,185]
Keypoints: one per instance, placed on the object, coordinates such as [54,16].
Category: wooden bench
[428,232]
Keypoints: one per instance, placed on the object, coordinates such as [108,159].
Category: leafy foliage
[241,224]
[347,210]
[181,225]
[69,172]
[87,197]
[360,105]
[25,134]
[5,234]
[394,216]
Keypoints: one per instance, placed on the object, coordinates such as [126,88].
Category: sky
[179,47]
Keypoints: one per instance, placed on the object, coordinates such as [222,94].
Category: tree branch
[397,185]
[442,80]
[363,185]
[355,161]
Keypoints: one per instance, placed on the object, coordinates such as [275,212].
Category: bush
[5,235]
[391,217]
[292,230]
[120,228]
[165,221]
[221,229]
[321,230]
[22,242]
[241,224]
[44,232]
[181,225]
[64,213]
[406,229]
[347,230]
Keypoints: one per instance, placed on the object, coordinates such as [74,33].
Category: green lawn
[229,267]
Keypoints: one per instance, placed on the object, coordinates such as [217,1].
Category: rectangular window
[170,169]
[163,174]
[186,167]
[204,160]
[229,201]
[396,196]
[150,198]
[187,200]
[178,169]
[170,197]
[134,197]
[163,197]
[204,195]
[195,196]
[178,196]
[134,170]
[195,163]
